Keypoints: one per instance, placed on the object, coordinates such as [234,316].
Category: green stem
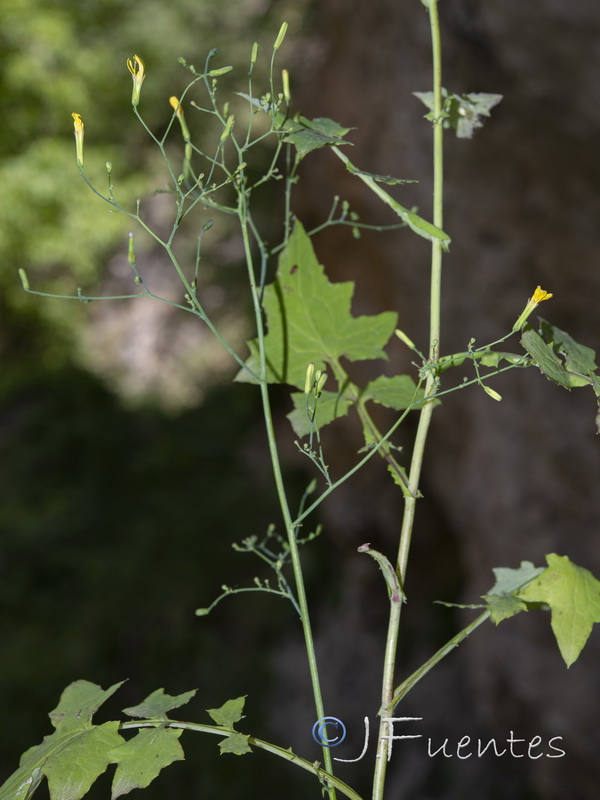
[324,776]
[276,466]
[425,414]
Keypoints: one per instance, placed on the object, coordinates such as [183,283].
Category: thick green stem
[287,517]
[425,414]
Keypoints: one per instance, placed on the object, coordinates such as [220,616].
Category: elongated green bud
[404,338]
[228,127]
[308,381]
[254,55]
[214,73]
[286,85]
[24,281]
[131,251]
[493,394]
[321,380]
[280,36]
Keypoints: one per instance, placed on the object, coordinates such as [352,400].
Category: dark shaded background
[119,504]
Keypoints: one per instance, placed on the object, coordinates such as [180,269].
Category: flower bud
[78,126]
[176,105]
[308,381]
[280,36]
[138,73]
[320,383]
[228,127]
[131,251]
[492,393]
[286,86]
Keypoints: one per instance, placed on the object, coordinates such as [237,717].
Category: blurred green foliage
[61,56]
[85,483]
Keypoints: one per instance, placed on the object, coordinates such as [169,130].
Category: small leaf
[329,406]
[400,477]
[503,606]
[79,702]
[307,135]
[461,113]
[573,595]
[229,713]
[509,580]
[578,357]
[580,361]
[326,126]
[398,392]
[142,758]
[156,705]
[237,744]
[493,358]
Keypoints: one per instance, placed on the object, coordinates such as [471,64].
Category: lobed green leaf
[503,606]
[309,320]
[573,595]
[501,601]
[79,761]
[156,705]
[141,759]
[545,358]
[236,744]
[229,713]
[398,392]
[461,113]
[78,703]
[510,580]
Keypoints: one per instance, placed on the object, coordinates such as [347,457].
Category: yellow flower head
[536,298]
[78,126]
[540,295]
[138,73]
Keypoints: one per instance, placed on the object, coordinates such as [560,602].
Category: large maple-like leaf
[310,320]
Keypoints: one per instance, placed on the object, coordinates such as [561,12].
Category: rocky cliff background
[506,481]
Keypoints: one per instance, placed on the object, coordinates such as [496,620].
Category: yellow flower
[138,73]
[540,295]
[78,125]
[536,298]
